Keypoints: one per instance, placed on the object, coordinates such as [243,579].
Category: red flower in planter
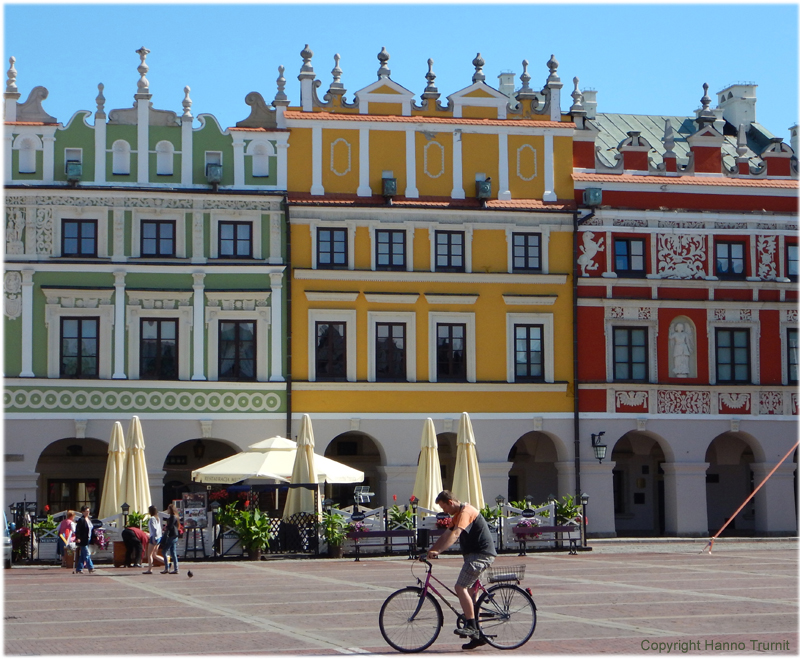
[247,503]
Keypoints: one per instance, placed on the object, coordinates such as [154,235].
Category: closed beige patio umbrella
[136,484]
[301,499]
[467,478]
[428,483]
[115,466]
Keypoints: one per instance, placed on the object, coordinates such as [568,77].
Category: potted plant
[401,519]
[334,530]
[254,530]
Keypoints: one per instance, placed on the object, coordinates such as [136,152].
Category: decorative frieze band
[676,401]
[683,402]
[734,315]
[78,299]
[631,313]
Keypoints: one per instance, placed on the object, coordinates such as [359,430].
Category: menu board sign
[194,510]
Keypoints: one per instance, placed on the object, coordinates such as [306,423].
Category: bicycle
[411,618]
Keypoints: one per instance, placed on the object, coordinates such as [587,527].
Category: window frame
[545,320]
[404,351]
[787,247]
[409,319]
[318,252]
[459,378]
[788,361]
[80,222]
[630,362]
[748,351]
[528,363]
[255,218]
[160,320]
[81,320]
[449,267]
[436,318]
[730,275]
[158,222]
[376,242]
[236,224]
[346,316]
[527,234]
[631,272]
[238,378]
[344,333]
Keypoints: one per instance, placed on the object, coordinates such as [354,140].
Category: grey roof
[614,129]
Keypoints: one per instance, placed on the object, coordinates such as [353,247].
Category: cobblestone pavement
[622,597]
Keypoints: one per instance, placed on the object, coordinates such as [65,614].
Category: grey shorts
[474,565]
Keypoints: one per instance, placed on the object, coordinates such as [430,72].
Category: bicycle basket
[505,573]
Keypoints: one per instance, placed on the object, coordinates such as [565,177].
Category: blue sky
[646,59]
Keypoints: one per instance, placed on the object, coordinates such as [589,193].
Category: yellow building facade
[431,252]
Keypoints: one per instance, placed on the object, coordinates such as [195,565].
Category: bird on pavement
[189,574]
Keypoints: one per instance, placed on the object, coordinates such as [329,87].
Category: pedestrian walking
[154,528]
[169,542]
[84,534]
[64,533]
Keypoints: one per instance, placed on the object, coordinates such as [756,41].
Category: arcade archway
[71,474]
[185,458]
[638,485]
[534,472]
[360,451]
[729,481]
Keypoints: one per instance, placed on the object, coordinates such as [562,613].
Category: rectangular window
[450,251]
[73,494]
[71,155]
[79,347]
[235,240]
[630,354]
[730,260]
[237,350]
[332,249]
[791,261]
[390,352]
[331,351]
[791,354]
[158,354]
[629,257]
[733,355]
[79,238]
[451,352]
[158,238]
[528,353]
[390,250]
[527,256]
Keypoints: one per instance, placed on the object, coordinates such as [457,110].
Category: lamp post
[500,500]
[584,503]
[214,511]
[125,510]
[529,501]
[599,448]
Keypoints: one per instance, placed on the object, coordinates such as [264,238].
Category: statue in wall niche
[589,250]
[682,348]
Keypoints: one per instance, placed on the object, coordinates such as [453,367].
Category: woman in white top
[154,529]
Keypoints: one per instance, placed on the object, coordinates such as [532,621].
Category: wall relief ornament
[770,402]
[683,402]
[15,229]
[44,231]
[630,223]
[766,248]
[681,256]
[12,285]
[631,399]
[589,250]
[735,401]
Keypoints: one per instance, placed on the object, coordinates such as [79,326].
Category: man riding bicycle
[478,550]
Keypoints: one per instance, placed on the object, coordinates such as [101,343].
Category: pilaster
[119,326]
[566,477]
[363,163]
[282,147]
[549,169]
[276,327]
[7,158]
[494,479]
[198,310]
[27,324]
[48,158]
[458,184]
[411,165]
[186,150]
[502,166]
[316,161]
[142,138]
[238,162]
[598,482]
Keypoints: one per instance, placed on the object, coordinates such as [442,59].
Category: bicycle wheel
[506,616]
[408,624]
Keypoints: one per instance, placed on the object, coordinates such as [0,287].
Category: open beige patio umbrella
[135,484]
[467,478]
[115,466]
[300,499]
[428,483]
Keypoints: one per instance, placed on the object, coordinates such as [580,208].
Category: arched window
[260,160]
[121,162]
[164,158]
[27,156]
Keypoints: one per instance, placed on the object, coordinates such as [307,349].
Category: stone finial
[336,72]
[383,71]
[11,83]
[143,86]
[525,78]
[430,76]
[101,101]
[741,141]
[478,63]
[706,116]
[552,64]
[307,71]
[577,99]
[281,98]
[705,101]
[187,103]
[669,138]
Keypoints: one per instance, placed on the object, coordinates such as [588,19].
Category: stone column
[685,499]
[276,327]
[396,479]
[119,325]
[156,478]
[566,477]
[774,502]
[27,325]
[598,482]
[198,347]
[494,478]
